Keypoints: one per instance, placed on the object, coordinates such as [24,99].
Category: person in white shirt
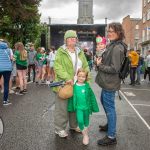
[51,58]
[148,64]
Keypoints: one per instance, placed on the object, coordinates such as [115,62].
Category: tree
[20,20]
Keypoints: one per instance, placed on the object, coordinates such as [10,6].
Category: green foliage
[20,20]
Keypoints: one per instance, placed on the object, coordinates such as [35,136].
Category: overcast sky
[66,11]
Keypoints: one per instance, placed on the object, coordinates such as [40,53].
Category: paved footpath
[29,122]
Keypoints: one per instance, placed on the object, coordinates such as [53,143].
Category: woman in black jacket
[108,79]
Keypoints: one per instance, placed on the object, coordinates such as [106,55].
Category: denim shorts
[51,64]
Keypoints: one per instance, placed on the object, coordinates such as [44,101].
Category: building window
[148,33]
[148,14]
[145,2]
[137,27]
[144,17]
[129,46]
[136,34]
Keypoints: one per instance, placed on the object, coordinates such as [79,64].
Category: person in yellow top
[134,59]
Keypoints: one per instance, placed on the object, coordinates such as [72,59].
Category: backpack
[125,65]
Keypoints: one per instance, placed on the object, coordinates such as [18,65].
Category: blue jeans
[138,71]
[6,76]
[108,103]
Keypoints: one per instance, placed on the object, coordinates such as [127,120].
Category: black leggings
[147,71]
[29,71]
[132,74]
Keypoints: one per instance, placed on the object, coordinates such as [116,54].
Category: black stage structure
[86,33]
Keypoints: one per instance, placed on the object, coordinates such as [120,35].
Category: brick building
[132,31]
[145,26]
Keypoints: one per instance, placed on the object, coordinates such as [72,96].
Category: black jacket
[108,72]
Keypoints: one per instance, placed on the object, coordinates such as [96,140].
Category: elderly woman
[69,58]
[5,68]
[108,79]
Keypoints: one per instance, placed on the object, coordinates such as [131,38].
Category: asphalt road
[28,122]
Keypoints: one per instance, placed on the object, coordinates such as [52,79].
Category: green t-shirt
[41,58]
[18,61]
[81,97]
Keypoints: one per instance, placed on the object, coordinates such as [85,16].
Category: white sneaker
[2,91]
[47,82]
[11,91]
[62,133]
[6,103]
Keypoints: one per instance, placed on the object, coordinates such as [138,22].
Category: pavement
[29,122]
[138,97]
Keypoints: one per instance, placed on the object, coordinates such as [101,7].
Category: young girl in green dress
[83,103]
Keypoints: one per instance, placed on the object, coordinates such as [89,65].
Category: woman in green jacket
[68,60]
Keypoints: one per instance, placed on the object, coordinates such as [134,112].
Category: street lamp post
[44,35]
[49,33]
[46,32]
[105,26]
[17,31]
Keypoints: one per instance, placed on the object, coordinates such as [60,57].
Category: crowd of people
[72,65]
[138,66]
[19,64]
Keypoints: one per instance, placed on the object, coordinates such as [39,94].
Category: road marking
[141,105]
[129,94]
[1,127]
[135,110]
[135,89]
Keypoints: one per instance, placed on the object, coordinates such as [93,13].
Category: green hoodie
[90,98]
[63,65]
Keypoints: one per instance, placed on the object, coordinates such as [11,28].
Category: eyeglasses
[72,38]
[109,31]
